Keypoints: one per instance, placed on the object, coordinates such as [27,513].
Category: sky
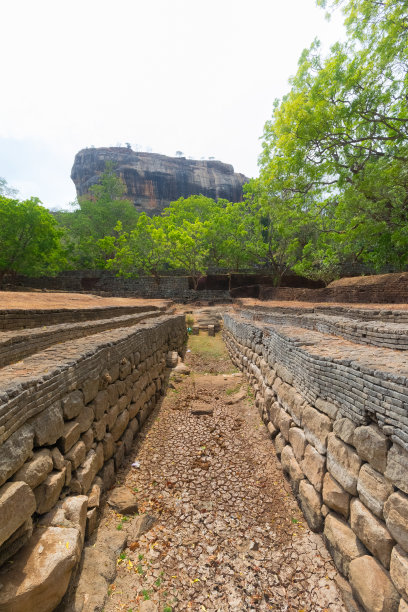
[197,76]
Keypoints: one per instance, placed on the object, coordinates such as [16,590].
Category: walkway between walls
[228,534]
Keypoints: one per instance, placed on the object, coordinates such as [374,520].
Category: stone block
[88,438]
[70,512]
[373,489]
[16,541]
[344,429]
[57,459]
[397,467]
[372,446]
[297,440]
[127,440]
[108,475]
[346,593]
[283,422]
[92,518]
[94,495]
[327,407]
[134,426]
[133,409]
[196,330]
[72,404]
[99,429]
[123,403]
[99,456]
[85,418]
[36,470]
[87,472]
[114,372]
[272,430]
[399,570]
[90,388]
[314,467]
[125,368]
[335,497]
[119,456]
[343,463]
[111,416]
[76,455]
[48,426]
[371,531]
[68,472]
[47,493]
[100,404]
[342,542]
[396,518]
[120,425]
[316,426]
[40,573]
[290,399]
[14,452]
[372,585]
[71,434]
[113,394]
[403,607]
[108,446]
[291,467]
[311,503]
[17,504]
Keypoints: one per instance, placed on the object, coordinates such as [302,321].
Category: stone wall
[68,416]
[336,412]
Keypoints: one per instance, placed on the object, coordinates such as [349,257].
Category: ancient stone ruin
[153,181]
[329,381]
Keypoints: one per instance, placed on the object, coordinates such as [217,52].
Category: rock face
[153,181]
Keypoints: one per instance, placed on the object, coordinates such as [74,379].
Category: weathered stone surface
[343,463]
[311,504]
[403,607]
[14,451]
[371,531]
[153,180]
[139,525]
[316,426]
[372,446]
[108,475]
[283,421]
[99,429]
[16,541]
[373,489]
[347,594]
[17,503]
[90,389]
[85,418]
[47,493]
[70,512]
[70,435]
[57,459]
[92,517]
[94,495]
[313,466]
[40,573]
[72,404]
[87,472]
[344,429]
[372,586]
[181,368]
[273,431]
[327,407]
[108,446]
[396,518]
[127,440]
[397,467]
[297,440]
[280,444]
[48,426]
[335,497]
[87,438]
[399,570]
[36,470]
[342,542]
[100,404]
[120,425]
[77,454]
[123,500]
[291,467]
[290,399]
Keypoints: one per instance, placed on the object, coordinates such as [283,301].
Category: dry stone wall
[68,416]
[337,413]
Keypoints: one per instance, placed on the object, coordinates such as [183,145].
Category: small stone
[123,501]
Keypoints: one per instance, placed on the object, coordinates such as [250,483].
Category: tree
[6,190]
[97,218]
[29,238]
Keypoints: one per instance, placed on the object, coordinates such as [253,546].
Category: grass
[210,346]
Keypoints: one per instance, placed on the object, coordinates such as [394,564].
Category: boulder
[372,585]
[342,542]
[396,518]
[17,504]
[335,497]
[372,446]
[343,463]
[123,501]
[371,531]
[373,489]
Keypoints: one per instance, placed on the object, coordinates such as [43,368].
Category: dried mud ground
[229,535]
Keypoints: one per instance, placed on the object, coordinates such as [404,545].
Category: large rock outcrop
[153,181]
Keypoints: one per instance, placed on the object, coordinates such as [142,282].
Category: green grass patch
[208,346]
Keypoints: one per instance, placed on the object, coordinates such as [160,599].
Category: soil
[229,535]
[48,300]
[299,305]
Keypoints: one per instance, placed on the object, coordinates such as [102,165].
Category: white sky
[198,76]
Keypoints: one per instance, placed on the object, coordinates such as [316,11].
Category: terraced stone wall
[68,416]
[337,414]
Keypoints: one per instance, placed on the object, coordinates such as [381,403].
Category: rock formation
[153,181]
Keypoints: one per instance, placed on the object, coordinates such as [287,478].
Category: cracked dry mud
[229,535]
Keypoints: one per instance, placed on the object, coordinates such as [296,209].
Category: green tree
[29,238]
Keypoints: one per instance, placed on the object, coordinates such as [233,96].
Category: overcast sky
[190,75]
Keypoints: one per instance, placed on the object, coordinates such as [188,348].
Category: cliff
[153,181]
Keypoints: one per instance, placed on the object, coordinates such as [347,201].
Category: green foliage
[29,238]
[91,230]
[335,151]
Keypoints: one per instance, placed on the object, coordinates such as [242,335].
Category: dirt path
[229,535]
